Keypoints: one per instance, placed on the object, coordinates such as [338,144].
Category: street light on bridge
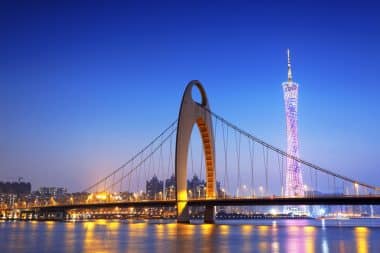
[261,189]
[356,185]
[224,192]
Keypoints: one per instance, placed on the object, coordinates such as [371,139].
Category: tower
[293,183]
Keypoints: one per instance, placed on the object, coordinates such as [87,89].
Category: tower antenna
[290,77]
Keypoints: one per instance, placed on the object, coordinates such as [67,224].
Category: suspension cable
[254,138]
[135,156]
[251,147]
[149,155]
[237,149]
[265,158]
[225,147]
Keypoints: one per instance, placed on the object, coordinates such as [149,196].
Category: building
[293,181]
[170,188]
[52,192]
[154,188]
[166,189]
[196,188]
[17,188]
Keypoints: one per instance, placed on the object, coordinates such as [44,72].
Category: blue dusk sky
[86,84]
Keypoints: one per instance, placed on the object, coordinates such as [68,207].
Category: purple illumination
[293,183]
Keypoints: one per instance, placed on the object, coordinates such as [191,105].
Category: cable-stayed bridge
[229,167]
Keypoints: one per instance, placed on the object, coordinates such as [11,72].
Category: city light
[273,211]
[101,196]
[102,151]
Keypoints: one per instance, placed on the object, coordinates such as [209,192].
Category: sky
[85,85]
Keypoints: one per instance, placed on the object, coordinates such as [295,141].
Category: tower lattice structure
[293,184]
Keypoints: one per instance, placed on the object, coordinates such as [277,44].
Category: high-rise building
[154,188]
[55,192]
[293,184]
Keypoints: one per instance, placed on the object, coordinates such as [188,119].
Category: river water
[362,235]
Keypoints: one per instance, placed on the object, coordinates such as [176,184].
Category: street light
[224,193]
[356,188]
[261,189]
[170,192]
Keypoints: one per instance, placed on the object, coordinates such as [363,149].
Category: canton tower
[293,183]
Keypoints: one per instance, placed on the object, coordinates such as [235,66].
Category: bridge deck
[278,201]
[267,201]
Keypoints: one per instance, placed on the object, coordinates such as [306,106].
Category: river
[362,235]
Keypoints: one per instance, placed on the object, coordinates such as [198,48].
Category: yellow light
[361,236]
[246,229]
[101,222]
[224,229]
[263,230]
[101,196]
[206,229]
[114,225]
[361,229]
[309,229]
[90,197]
[186,229]
[160,231]
[89,225]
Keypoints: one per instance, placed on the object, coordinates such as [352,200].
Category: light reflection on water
[361,235]
[116,236]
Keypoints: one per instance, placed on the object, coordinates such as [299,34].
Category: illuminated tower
[293,183]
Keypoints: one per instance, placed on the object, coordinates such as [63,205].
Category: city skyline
[69,94]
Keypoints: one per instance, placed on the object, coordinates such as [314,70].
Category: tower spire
[290,77]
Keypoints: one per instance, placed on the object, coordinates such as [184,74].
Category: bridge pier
[183,212]
[53,215]
[209,214]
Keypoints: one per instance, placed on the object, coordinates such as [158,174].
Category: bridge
[250,173]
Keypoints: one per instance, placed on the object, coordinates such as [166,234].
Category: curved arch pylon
[191,113]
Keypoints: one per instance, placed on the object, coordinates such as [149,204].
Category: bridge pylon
[191,113]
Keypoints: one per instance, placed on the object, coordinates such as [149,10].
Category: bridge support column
[209,215]
[193,113]
[183,212]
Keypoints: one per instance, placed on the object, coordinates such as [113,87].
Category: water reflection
[294,239]
[246,230]
[325,246]
[224,229]
[116,236]
[263,230]
[89,240]
[206,229]
[48,234]
[361,236]
[275,246]
[309,233]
